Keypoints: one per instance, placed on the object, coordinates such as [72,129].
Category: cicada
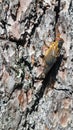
[51,54]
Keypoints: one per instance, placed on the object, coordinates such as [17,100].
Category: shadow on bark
[48,81]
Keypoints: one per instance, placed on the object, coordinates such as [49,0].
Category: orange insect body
[52,53]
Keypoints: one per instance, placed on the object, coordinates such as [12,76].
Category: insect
[52,53]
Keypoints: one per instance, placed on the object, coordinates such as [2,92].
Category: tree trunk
[36,70]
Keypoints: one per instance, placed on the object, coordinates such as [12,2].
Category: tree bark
[28,101]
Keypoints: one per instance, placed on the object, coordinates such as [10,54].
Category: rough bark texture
[28,102]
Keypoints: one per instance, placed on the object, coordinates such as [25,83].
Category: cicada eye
[42,56]
[60,43]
